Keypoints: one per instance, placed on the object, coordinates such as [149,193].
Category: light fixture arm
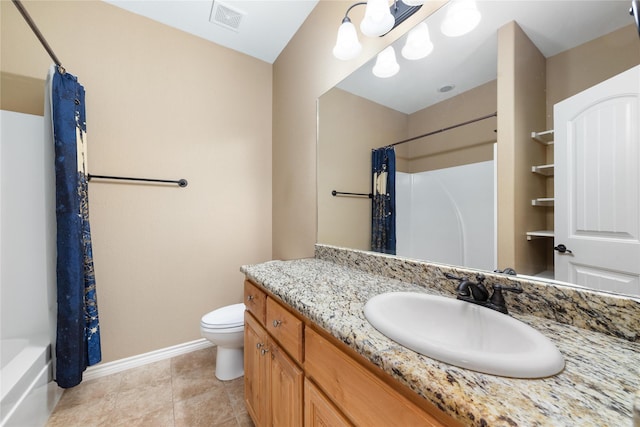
[346,15]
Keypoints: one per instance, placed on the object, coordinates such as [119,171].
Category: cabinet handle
[250,298]
[264,351]
[276,323]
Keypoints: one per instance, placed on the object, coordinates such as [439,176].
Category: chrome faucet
[477,293]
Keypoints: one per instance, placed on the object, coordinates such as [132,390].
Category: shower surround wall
[448,215]
[27,270]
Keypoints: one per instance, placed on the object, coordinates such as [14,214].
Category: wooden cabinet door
[286,390]
[256,370]
[318,409]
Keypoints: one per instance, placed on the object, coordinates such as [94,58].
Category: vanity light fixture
[462,17]
[347,45]
[386,64]
[379,19]
[418,44]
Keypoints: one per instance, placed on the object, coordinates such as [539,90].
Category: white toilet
[225,328]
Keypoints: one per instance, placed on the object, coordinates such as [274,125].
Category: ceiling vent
[226,16]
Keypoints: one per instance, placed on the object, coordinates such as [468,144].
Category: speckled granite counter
[596,388]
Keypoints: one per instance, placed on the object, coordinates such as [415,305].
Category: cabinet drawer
[285,328]
[366,399]
[255,300]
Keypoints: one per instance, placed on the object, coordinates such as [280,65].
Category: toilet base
[229,363]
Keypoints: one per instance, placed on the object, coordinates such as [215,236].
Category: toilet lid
[225,317]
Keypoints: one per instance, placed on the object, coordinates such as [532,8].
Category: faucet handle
[451,276]
[516,288]
[497,299]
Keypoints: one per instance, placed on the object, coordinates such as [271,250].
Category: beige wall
[463,145]
[577,69]
[521,110]
[304,71]
[350,127]
[162,104]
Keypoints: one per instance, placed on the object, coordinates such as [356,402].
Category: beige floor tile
[195,363]
[144,399]
[244,420]
[235,391]
[186,388]
[231,422]
[179,392]
[159,418]
[151,374]
[88,414]
[89,392]
[204,410]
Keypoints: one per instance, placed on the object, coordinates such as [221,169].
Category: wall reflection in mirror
[482,195]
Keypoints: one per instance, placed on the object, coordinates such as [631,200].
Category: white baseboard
[104,369]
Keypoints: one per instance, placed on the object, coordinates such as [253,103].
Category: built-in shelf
[546,170]
[543,201]
[539,234]
[545,137]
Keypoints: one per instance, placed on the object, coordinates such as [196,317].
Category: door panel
[597,185]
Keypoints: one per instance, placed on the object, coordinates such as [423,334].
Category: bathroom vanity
[296,374]
[306,338]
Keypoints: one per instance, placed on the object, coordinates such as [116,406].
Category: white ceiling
[470,60]
[265,28]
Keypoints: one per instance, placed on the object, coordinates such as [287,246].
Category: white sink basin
[464,334]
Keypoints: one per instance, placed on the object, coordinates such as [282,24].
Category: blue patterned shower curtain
[78,332]
[383,206]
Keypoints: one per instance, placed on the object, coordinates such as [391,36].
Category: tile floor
[178,392]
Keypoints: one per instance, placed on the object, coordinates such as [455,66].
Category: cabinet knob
[250,297]
[276,323]
[259,345]
[264,351]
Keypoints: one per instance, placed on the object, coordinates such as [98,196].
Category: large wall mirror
[465,193]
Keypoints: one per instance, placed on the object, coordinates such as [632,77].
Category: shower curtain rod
[180,182]
[38,34]
[468,122]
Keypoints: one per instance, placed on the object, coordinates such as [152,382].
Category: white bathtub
[28,279]
[27,394]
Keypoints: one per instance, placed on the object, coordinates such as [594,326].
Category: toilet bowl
[225,328]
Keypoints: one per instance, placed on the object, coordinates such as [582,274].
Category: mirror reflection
[469,193]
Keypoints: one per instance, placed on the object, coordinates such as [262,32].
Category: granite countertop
[596,388]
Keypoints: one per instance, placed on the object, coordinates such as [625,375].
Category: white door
[597,186]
